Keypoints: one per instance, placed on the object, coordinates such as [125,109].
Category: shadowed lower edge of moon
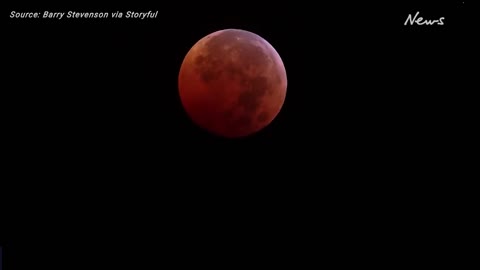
[232,96]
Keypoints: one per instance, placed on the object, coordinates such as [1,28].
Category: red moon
[232,83]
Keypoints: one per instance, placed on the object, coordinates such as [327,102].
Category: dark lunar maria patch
[199,60]
[209,68]
[262,117]
[233,71]
[243,122]
[229,114]
[251,97]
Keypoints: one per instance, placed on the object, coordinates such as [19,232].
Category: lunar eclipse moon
[232,83]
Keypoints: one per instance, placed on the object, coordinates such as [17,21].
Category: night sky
[109,87]
[95,128]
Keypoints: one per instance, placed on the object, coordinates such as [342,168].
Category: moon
[232,83]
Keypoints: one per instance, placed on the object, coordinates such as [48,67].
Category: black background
[112,171]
